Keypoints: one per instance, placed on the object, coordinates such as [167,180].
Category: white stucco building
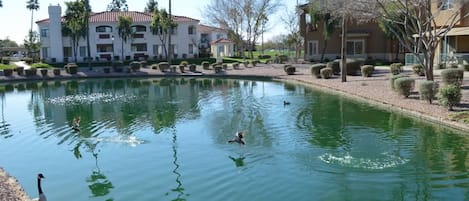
[106,44]
[215,40]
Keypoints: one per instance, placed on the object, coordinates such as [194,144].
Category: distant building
[365,41]
[105,42]
[214,40]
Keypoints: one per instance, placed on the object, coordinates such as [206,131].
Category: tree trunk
[122,50]
[343,50]
[323,50]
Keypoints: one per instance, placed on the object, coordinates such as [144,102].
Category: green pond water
[166,139]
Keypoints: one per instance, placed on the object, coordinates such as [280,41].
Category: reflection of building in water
[127,100]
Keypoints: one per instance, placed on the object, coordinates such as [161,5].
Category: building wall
[56,43]
[375,43]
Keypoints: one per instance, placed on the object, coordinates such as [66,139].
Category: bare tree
[244,19]
[422,25]
[345,11]
[291,22]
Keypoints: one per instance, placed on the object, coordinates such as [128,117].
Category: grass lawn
[4,66]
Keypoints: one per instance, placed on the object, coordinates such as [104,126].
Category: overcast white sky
[15,18]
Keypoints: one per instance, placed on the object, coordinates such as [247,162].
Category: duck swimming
[286,103]
[76,124]
[239,138]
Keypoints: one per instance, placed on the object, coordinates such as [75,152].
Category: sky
[15,18]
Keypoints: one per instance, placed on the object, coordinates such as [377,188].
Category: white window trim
[363,46]
[310,53]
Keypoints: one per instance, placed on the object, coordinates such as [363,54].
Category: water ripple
[91,98]
[385,161]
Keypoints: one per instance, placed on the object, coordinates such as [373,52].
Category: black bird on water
[239,138]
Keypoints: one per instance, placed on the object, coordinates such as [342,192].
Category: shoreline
[374,91]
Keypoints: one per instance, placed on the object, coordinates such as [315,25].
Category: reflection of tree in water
[4,126]
[179,188]
[99,185]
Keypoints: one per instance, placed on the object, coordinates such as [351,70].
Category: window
[67,51]
[174,30]
[219,36]
[355,47]
[104,36]
[104,29]
[191,30]
[82,51]
[45,52]
[173,49]
[313,48]
[44,33]
[191,49]
[104,47]
[156,49]
[138,35]
[445,4]
[139,47]
[139,28]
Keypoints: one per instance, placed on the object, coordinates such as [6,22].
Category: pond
[166,139]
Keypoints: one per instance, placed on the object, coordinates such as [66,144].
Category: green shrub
[192,67]
[205,65]
[393,78]
[20,70]
[30,72]
[5,60]
[235,65]
[418,69]
[246,64]
[428,90]
[353,66]
[316,69]
[452,76]
[395,68]
[449,96]
[289,69]
[43,71]
[41,65]
[71,68]
[404,86]
[280,59]
[135,66]
[335,66]
[326,73]
[118,66]
[7,71]
[367,70]
[163,66]
[217,68]
[154,66]
[184,63]
[28,60]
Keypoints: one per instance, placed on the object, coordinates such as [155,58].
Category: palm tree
[124,29]
[75,23]
[152,5]
[162,25]
[87,21]
[329,27]
[31,5]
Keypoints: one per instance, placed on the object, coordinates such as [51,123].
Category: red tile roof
[222,40]
[111,16]
[209,29]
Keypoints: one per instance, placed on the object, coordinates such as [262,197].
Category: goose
[42,197]
[76,124]
[286,103]
[239,138]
